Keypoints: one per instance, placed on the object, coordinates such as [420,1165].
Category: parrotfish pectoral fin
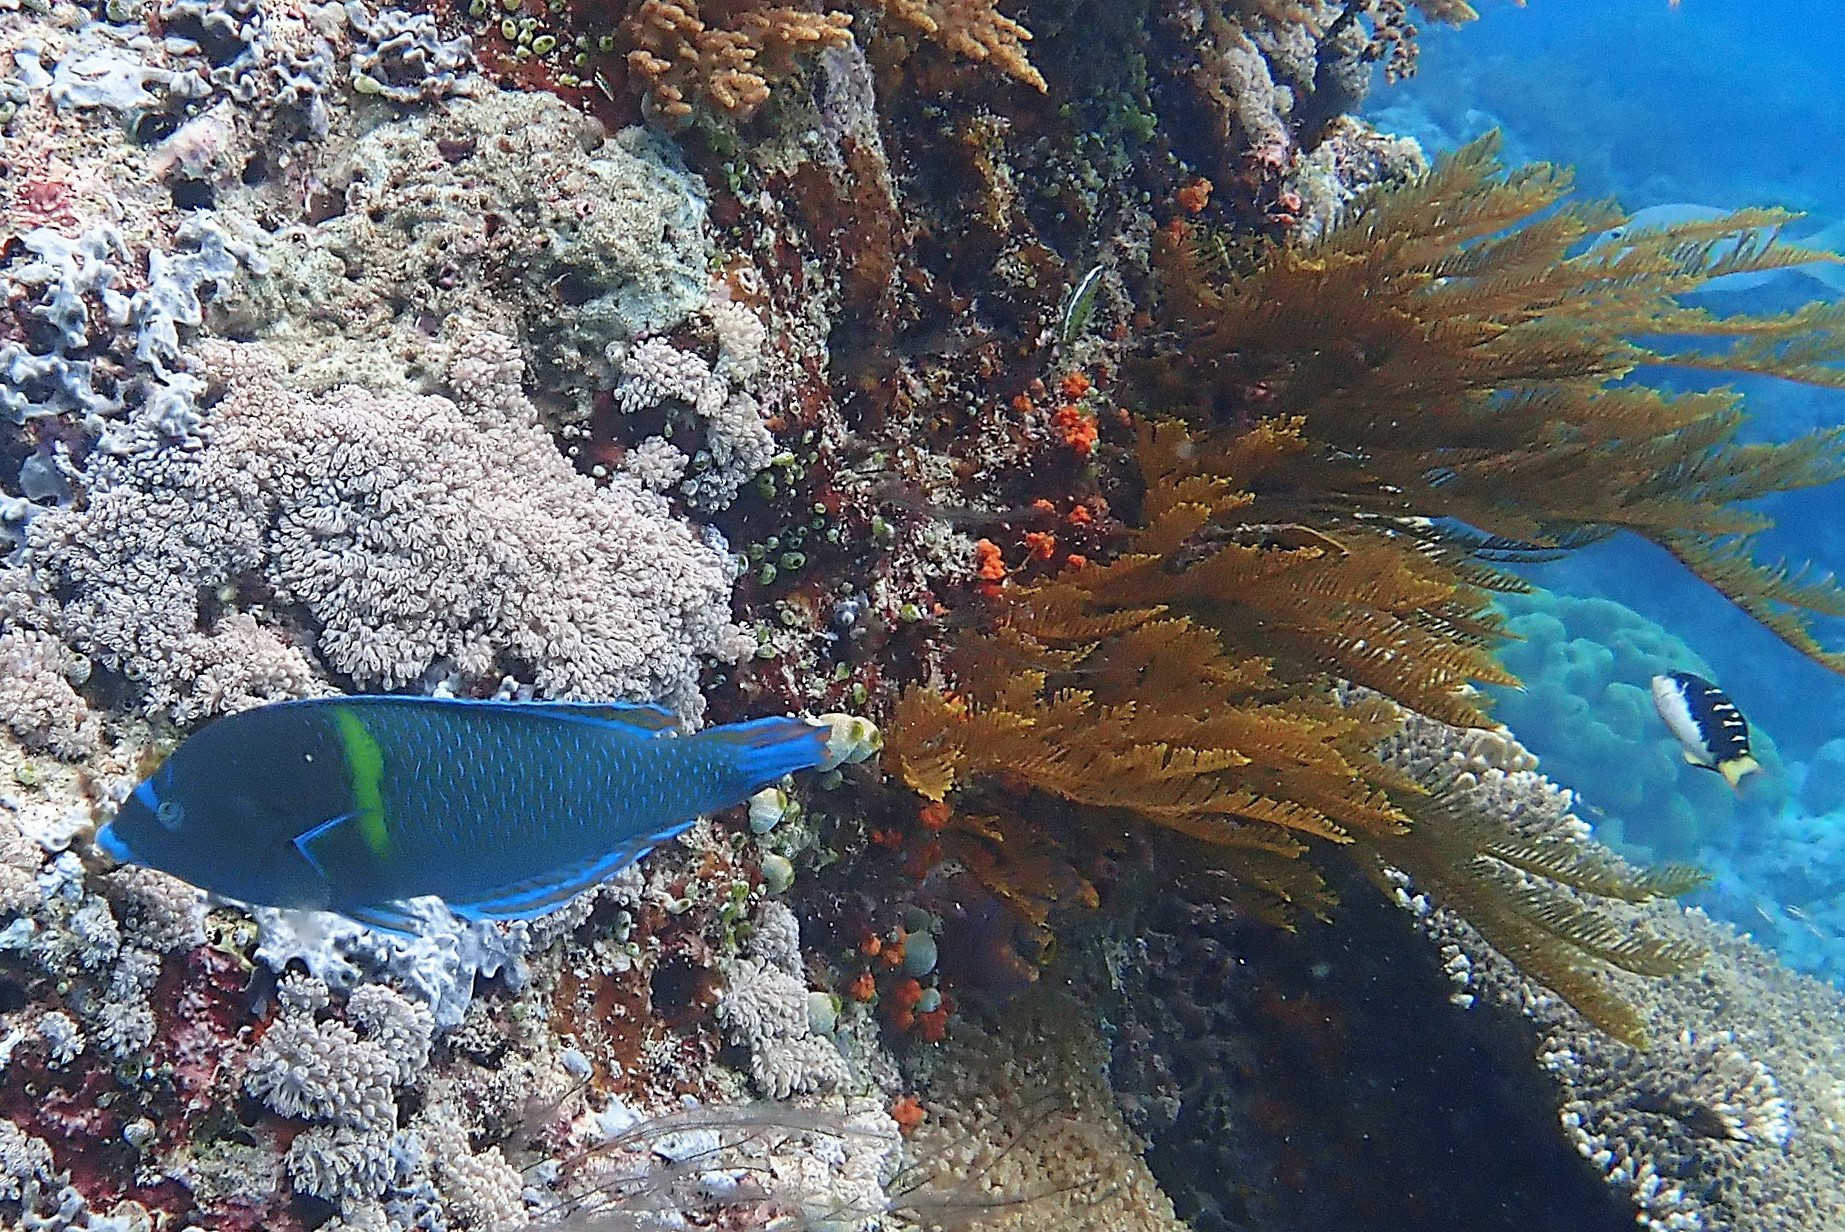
[321,845]
[1734,769]
[766,749]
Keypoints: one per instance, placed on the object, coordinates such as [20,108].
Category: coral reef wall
[738,358]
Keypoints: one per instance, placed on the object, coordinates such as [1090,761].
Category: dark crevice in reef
[1296,1082]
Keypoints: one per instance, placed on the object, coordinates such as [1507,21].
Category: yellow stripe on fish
[365,763]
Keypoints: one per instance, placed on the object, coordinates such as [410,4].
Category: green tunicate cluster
[786,551]
[842,672]
[733,916]
[533,38]
[780,476]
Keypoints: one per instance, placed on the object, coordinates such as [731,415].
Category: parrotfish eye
[170,813]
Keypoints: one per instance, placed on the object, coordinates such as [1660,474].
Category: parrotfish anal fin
[526,899]
[388,917]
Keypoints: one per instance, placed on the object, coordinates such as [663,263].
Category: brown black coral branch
[1350,440]
[1458,352]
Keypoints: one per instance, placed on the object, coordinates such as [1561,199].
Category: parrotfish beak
[110,844]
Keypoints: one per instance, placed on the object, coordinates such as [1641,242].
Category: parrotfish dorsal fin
[644,715]
[636,716]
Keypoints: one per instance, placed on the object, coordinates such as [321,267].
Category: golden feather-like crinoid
[1343,445]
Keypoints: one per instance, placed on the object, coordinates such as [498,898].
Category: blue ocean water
[1719,103]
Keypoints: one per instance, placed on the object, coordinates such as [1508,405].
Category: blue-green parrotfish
[1710,729]
[502,809]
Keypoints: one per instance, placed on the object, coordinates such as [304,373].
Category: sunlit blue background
[1722,103]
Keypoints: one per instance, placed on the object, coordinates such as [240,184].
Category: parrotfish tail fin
[1734,769]
[766,749]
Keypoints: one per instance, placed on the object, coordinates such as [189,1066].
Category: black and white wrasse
[504,810]
[1709,727]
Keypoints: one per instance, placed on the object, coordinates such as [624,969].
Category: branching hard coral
[721,52]
[657,374]
[972,28]
[1731,1118]
[23,1158]
[1494,841]
[723,58]
[408,531]
[38,697]
[1024,1133]
[763,1009]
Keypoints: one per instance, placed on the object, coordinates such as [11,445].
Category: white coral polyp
[414,531]
[737,441]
